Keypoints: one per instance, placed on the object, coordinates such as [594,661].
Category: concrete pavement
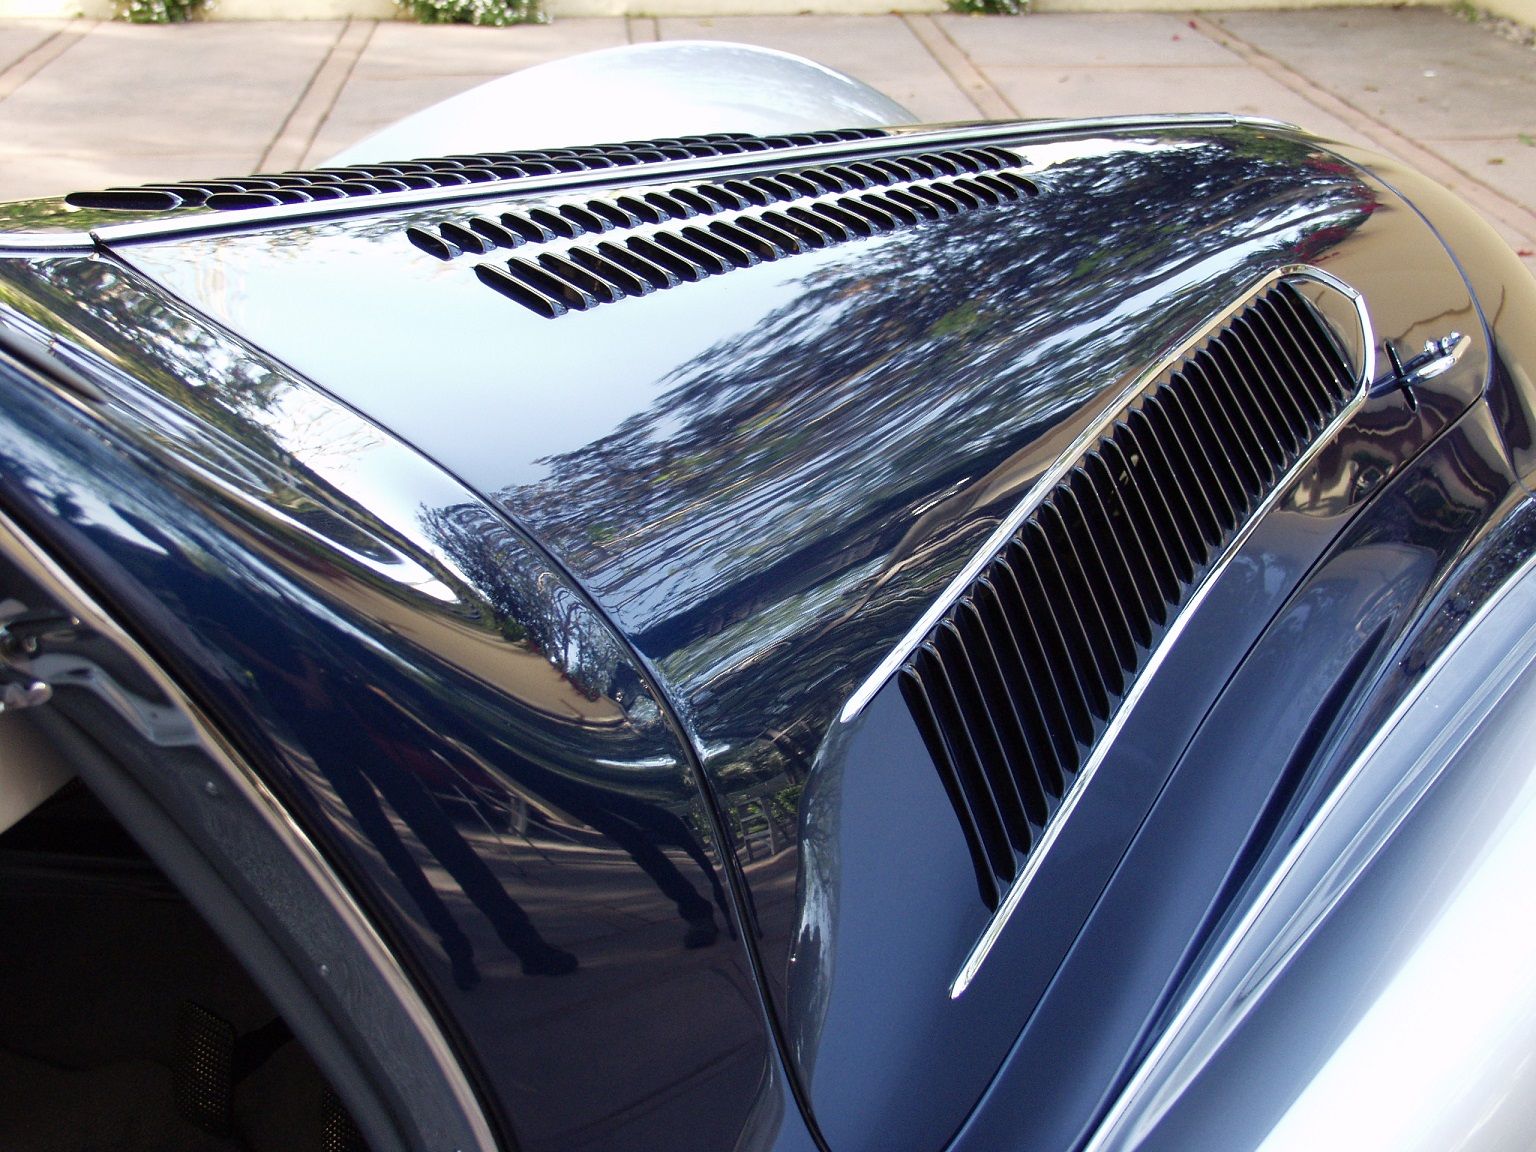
[86,104]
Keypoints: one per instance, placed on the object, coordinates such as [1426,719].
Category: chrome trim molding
[192,223]
[24,244]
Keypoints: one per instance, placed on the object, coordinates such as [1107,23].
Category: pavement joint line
[1485,198]
[949,56]
[1128,66]
[43,55]
[1474,138]
[313,107]
[642,29]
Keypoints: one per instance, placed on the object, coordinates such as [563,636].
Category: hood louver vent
[299,187]
[1016,684]
[731,224]
[480,234]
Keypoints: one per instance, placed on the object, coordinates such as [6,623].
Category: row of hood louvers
[735,223]
[1015,686]
[303,186]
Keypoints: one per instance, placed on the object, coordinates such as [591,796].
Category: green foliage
[961,320]
[160,11]
[989,7]
[784,805]
[492,13]
[1513,30]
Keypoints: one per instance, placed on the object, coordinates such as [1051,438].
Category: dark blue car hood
[767,477]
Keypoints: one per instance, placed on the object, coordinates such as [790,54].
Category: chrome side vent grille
[299,187]
[1016,684]
[667,237]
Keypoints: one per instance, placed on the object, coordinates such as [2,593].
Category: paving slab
[178,91]
[1070,40]
[1421,70]
[365,107]
[989,102]
[1083,91]
[880,50]
[41,53]
[1507,163]
[1519,242]
[85,104]
[407,67]
[26,174]
[19,37]
[1443,94]
[399,48]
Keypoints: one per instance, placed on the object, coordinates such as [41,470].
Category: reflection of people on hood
[550,620]
[394,775]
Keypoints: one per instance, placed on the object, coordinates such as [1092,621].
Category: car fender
[667,88]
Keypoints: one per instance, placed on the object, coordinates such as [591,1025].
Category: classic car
[801,631]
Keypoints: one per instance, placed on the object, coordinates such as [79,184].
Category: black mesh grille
[1015,685]
[265,190]
[708,229]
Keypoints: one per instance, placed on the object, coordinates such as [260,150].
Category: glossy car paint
[1251,749]
[871,410]
[1506,298]
[1377,970]
[413,652]
[114,718]
[762,482]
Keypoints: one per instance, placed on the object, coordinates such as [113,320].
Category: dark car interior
[127,1025]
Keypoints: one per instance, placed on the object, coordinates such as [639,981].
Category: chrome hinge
[22,636]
